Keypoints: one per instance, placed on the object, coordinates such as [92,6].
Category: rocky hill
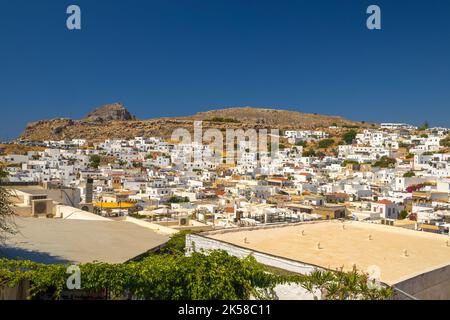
[110,112]
[272,117]
[115,121]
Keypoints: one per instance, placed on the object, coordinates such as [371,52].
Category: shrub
[403,214]
[216,276]
[385,162]
[176,199]
[226,120]
[445,142]
[94,161]
[347,162]
[409,174]
[301,144]
[325,143]
[425,126]
[309,153]
[349,136]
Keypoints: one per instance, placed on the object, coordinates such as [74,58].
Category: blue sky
[167,58]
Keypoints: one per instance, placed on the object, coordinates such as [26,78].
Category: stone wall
[285,291]
[431,285]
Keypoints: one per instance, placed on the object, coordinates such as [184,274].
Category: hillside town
[395,174]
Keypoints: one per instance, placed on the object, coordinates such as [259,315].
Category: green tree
[404,145]
[348,161]
[349,136]
[137,164]
[445,142]
[424,126]
[403,214]
[177,199]
[3,174]
[309,153]
[94,161]
[385,162]
[409,174]
[325,143]
[177,243]
[122,163]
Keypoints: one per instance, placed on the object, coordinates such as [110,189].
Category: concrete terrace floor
[79,241]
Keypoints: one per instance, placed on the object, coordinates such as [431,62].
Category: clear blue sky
[166,58]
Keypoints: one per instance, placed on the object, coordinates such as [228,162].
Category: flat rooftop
[79,241]
[33,190]
[347,246]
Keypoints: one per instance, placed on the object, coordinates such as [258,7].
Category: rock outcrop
[110,112]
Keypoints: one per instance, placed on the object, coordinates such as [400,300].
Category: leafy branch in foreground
[339,285]
[208,277]
[215,276]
